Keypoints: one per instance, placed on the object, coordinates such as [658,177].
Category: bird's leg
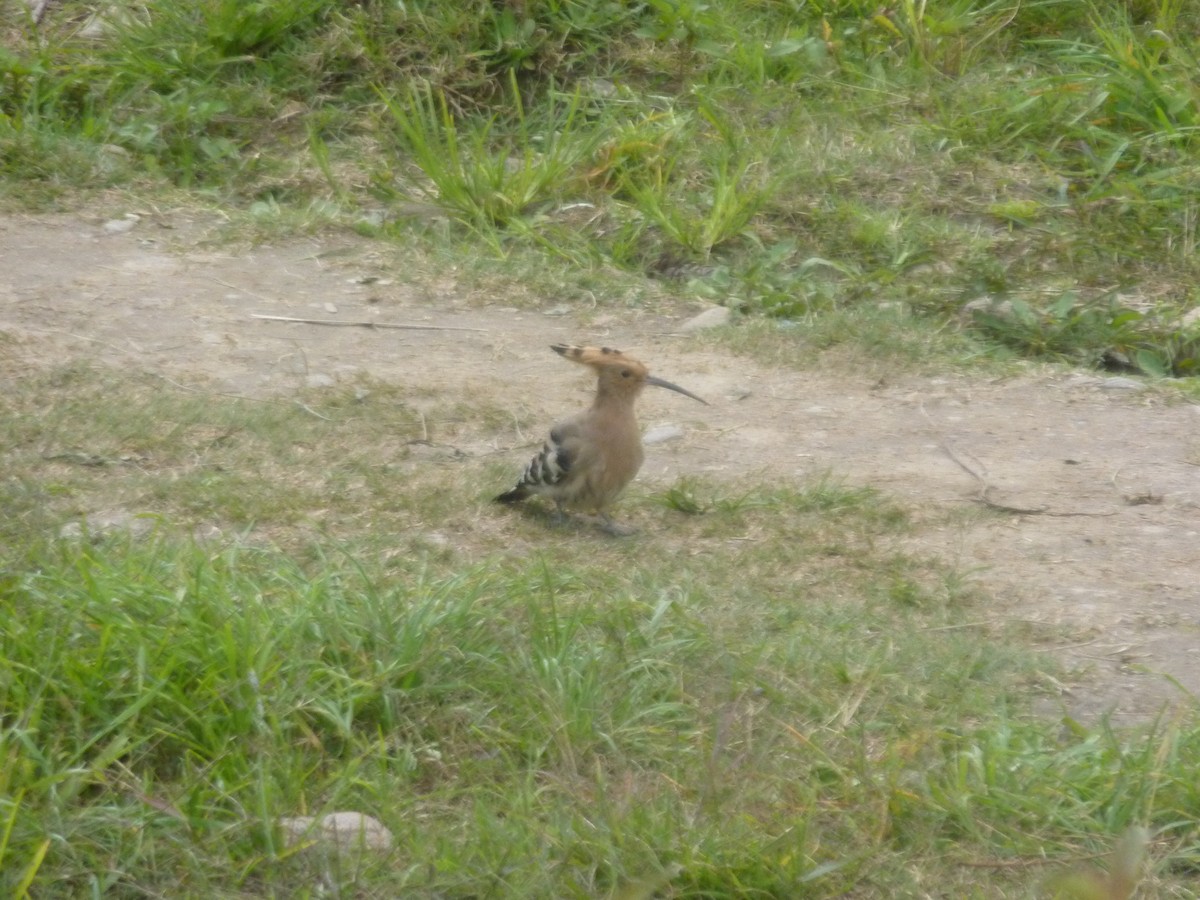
[559,517]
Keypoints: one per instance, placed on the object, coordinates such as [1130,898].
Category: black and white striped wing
[548,468]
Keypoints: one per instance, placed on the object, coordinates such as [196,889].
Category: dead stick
[345,324]
[37,10]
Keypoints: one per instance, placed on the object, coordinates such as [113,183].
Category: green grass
[790,161]
[763,695]
[543,727]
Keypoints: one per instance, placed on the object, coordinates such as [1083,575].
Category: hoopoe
[591,457]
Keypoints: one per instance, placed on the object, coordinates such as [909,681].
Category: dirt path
[1094,523]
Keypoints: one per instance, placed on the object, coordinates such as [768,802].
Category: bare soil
[1088,492]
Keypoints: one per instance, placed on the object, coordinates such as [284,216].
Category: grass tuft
[769,697]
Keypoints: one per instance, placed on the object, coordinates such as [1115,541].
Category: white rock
[661,434]
[98,524]
[120,226]
[207,534]
[1119,383]
[598,87]
[319,380]
[1190,318]
[993,306]
[340,830]
[94,29]
[713,317]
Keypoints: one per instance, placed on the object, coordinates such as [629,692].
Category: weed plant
[541,728]
[764,695]
[923,153]
[799,710]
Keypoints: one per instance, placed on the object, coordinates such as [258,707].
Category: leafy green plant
[946,37]
[1066,328]
[1135,115]
[717,210]
[1169,351]
[486,175]
[1101,333]
[774,283]
[235,28]
[685,22]
[1143,81]
[772,695]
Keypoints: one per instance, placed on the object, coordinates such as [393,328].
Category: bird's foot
[616,529]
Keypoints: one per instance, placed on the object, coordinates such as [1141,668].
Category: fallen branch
[345,324]
[986,486]
[37,10]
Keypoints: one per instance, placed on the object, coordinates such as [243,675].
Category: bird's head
[619,375]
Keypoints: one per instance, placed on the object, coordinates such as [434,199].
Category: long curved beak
[658,382]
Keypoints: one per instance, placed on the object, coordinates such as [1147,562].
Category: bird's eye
[625,373]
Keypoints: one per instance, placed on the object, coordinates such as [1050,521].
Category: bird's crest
[615,368]
[597,357]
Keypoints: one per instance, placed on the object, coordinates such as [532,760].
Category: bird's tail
[517,494]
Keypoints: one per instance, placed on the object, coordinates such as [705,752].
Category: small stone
[1119,383]
[1190,318]
[99,524]
[319,380]
[207,534]
[661,434]
[600,88]
[330,308]
[120,226]
[561,310]
[990,306]
[340,830]
[374,218]
[713,317]
[94,29]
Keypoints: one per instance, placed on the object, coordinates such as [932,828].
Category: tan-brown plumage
[590,458]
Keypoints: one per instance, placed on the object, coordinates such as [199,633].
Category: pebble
[1119,383]
[713,317]
[601,88]
[994,306]
[102,523]
[120,226]
[319,380]
[661,434]
[341,830]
